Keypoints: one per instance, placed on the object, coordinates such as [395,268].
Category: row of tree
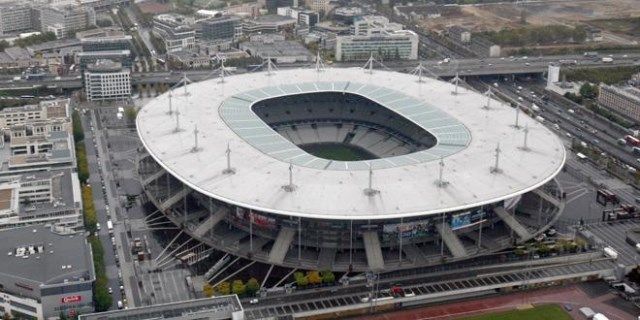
[314,278]
[101,297]
[236,287]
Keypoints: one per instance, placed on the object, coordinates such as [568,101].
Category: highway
[465,67]
[580,124]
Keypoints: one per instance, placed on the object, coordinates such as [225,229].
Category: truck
[632,141]
[591,54]
[587,312]
[607,60]
[110,226]
[610,252]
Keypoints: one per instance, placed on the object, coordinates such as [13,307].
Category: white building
[374,25]
[51,197]
[45,272]
[623,100]
[107,80]
[397,45]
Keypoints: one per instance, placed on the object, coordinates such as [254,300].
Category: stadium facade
[348,169]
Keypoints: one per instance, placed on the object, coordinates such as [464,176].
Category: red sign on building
[71,299]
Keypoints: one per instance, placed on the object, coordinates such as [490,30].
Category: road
[100,203]
[581,125]
[465,67]
[118,261]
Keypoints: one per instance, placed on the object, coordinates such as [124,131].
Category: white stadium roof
[467,136]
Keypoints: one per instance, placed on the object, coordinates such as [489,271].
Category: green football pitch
[337,151]
[543,312]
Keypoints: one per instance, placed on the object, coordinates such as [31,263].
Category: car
[98,226]
[253,301]
[568,307]
[120,305]
[110,290]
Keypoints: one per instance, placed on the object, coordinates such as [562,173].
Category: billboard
[412,229]
[466,219]
[71,299]
[460,220]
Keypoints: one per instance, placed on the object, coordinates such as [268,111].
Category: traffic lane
[98,198]
[606,143]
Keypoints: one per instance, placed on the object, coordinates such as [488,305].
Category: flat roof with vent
[467,136]
[42,255]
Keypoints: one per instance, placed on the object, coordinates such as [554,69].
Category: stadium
[348,169]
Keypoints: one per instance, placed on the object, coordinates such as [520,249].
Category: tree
[207,290]
[131,113]
[301,280]
[588,91]
[224,288]
[328,277]
[253,286]
[314,277]
[239,288]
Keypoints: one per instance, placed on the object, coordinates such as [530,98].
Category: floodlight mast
[229,169]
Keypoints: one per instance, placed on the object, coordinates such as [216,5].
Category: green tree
[238,287]
[207,290]
[78,133]
[301,279]
[131,113]
[253,286]
[328,277]
[224,288]
[588,91]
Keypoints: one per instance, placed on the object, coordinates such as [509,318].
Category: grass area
[629,26]
[609,75]
[337,151]
[544,312]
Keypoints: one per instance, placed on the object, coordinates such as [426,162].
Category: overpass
[465,67]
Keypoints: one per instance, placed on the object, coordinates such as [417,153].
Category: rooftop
[39,254]
[467,138]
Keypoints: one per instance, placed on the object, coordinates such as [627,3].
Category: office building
[397,45]
[45,272]
[39,197]
[308,18]
[268,24]
[175,31]
[83,59]
[63,20]
[107,80]
[347,14]
[275,47]
[304,17]
[319,5]
[623,100]
[273,5]
[15,17]
[220,28]
[106,43]
[374,25]
[36,137]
